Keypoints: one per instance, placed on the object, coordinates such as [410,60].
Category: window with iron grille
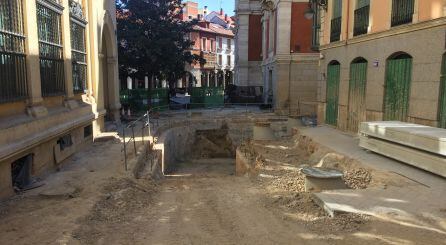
[78,50]
[79,56]
[402,12]
[12,52]
[50,47]
[362,12]
[336,21]
[316,27]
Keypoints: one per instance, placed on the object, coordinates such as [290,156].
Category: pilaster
[35,107]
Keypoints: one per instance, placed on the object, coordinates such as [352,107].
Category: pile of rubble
[357,178]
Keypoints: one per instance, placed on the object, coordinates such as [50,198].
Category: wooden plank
[420,159]
[417,136]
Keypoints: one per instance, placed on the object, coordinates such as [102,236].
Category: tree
[152,39]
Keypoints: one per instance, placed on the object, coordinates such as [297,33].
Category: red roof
[214,28]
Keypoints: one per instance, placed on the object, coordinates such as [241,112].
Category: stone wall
[425,42]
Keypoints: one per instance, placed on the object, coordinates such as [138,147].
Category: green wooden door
[397,89]
[333,76]
[442,102]
[356,95]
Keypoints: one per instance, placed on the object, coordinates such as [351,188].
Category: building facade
[382,60]
[289,61]
[248,47]
[59,82]
[275,52]
[213,39]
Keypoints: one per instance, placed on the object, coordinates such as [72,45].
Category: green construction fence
[137,99]
[207,97]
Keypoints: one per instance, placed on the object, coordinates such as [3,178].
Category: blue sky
[227,5]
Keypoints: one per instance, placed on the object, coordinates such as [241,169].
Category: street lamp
[312,4]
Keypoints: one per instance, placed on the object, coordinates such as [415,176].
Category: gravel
[357,178]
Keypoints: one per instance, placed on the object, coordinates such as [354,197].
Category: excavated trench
[207,152]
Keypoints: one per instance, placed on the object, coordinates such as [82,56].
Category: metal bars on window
[50,51]
[316,27]
[13,85]
[335,32]
[336,21]
[402,12]
[361,25]
[79,57]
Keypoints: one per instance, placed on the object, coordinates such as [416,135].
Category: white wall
[225,51]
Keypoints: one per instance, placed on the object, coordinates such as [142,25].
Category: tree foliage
[152,40]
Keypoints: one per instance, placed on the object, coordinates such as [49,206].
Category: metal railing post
[133,136]
[125,148]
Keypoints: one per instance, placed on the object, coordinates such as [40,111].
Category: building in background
[383,60]
[248,53]
[275,52]
[214,41]
[59,82]
[289,61]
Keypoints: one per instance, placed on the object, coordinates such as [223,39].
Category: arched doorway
[108,87]
[442,102]
[357,94]
[104,81]
[397,88]
[333,80]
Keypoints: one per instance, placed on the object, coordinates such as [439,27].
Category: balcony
[361,25]
[402,12]
[335,33]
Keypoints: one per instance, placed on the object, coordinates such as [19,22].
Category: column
[35,109]
[129,83]
[66,42]
[215,78]
[224,79]
[208,78]
[283,13]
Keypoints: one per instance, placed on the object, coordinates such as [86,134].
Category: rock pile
[357,178]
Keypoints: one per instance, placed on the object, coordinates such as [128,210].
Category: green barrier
[137,99]
[207,97]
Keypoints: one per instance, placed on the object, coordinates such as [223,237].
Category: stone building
[382,60]
[275,51]
[59,82]
[248,47]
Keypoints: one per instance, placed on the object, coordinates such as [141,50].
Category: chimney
[221,11]
[226,17]
[199,16]
[205,12]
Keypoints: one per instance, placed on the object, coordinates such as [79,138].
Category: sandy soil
[200,203]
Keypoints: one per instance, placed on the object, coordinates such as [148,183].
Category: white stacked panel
[417,136]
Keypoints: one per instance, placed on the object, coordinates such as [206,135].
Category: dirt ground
[202,202]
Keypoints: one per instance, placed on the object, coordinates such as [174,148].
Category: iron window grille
[13,82]
[402,12]
[50,47]
[335,32]
[78,50]
[336,21]
[316,27]
[361,25]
